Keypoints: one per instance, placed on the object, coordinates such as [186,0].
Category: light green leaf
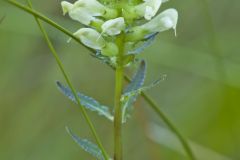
[87,102]
[86,145]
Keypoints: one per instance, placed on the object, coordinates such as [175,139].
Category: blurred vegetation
[200,95]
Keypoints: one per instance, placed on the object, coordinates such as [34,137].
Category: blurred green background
[201,94]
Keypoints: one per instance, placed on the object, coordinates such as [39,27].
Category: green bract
[135,20]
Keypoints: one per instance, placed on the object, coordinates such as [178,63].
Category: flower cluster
[106,21]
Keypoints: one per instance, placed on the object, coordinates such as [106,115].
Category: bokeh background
[201,94]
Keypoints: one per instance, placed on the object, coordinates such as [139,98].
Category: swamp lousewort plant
[116,31]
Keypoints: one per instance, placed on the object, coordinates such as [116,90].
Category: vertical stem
[118,115]
[119,73]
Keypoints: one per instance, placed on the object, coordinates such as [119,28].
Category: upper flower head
[105,24]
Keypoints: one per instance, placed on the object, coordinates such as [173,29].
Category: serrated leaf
[146,43]
[136,83]
[87,146]
[87,102]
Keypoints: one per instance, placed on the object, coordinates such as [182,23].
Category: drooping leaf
[136,83]
[86,101]
[86,145]
[146,43]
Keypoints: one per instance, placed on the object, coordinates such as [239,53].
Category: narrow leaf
[139,90]
[136,83]
[87,102]
[138,78]
[86,145]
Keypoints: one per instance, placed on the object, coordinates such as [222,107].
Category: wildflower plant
[115,31]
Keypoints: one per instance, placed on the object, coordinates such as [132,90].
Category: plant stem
[118,114]
[119,74]
[89,122]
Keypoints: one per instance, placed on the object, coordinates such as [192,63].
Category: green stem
[118,114]
[119,74]
[152,104]
[60,64]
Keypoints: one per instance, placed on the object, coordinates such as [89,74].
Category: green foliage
[135,88]
[87,102]
[86,145]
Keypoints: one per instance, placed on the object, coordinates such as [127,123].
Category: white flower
[149,8]
[114,26]
[93,39]
[162,22]
[87,11]
[90,38]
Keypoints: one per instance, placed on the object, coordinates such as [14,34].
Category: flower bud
[110,50]
[114,26]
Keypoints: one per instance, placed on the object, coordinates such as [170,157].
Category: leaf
[139,90]
[86,145]
[136,83]
[146,43]
[138,78]
[87,102]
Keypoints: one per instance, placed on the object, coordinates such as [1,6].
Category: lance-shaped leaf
[86,145]
[136,83]
[86,101]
